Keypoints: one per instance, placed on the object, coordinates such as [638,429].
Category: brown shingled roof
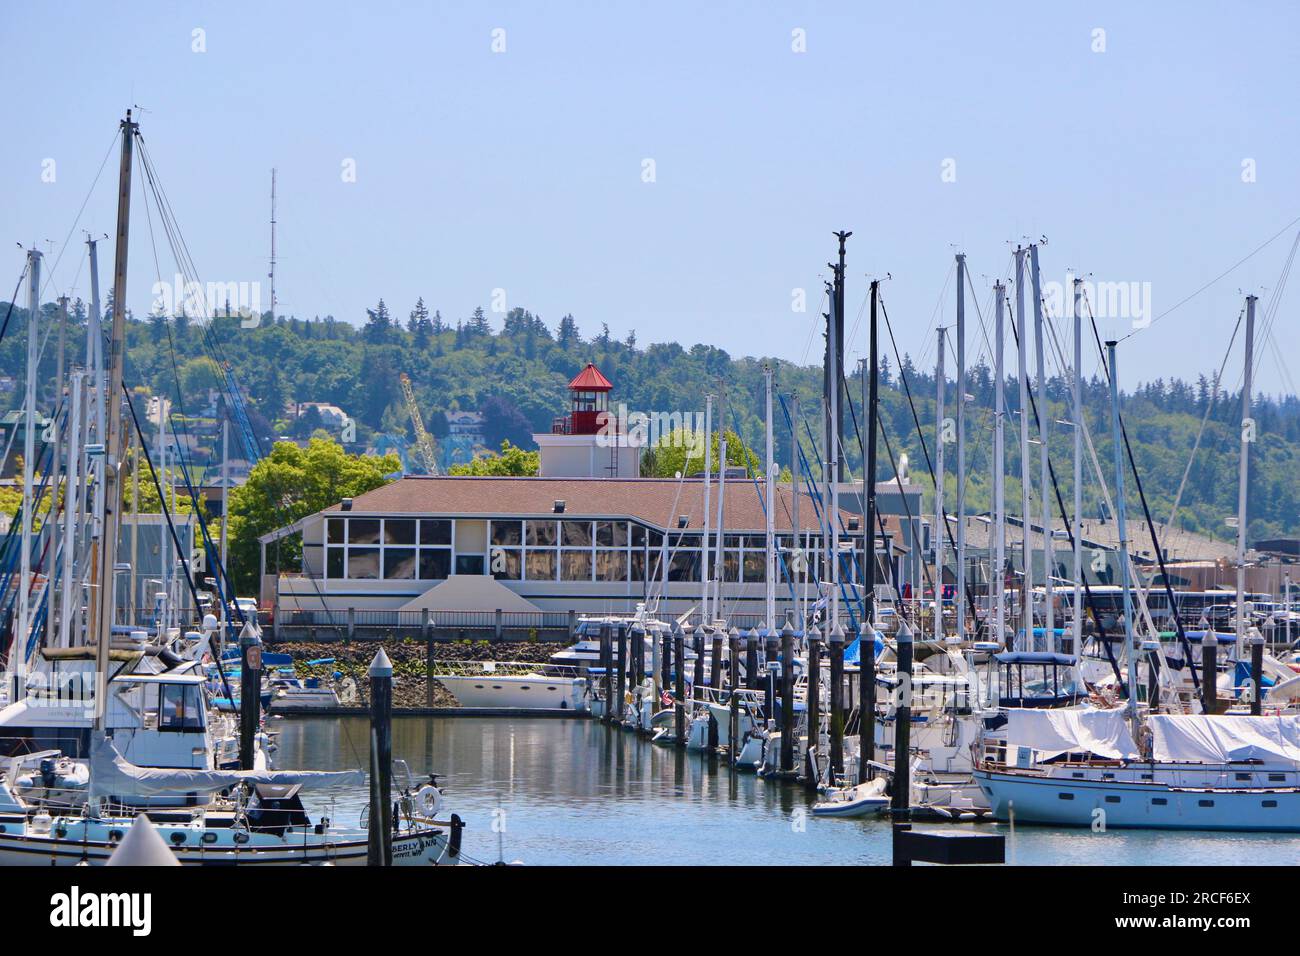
[654,501]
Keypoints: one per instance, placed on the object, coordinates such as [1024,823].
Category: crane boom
[423,441]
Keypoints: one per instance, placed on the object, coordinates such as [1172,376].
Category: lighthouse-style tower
[588,442]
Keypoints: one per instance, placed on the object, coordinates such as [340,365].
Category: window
[611,534]
[540,565]
[334,558]
[469,564]
[755,566]
[179,708]
[638,536]
[684,566]
[611,565]
[1205,803]
[541,534]
[435,531]
[435,563]
[1065,796]
[363,530]
[1159,802]
[363,563]
[575,566]
[399,563]
[507,563]
[507,533]
[1112,799]
[1269,804]
[336,530]
[399,531]
[576,534]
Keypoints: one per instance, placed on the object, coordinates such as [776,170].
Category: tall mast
[29,459]
[1130,655]
[164,556]
[56,454]
[1247,436]
[103,600]
[1077,603]
[769,492]
[1026,552]
[722,494]
[838,371]
[867,644]
[271,274]
[940,528]
[225,507]
[800,542]
[708,481]
[999,471]
[961,446]
[71,509]
[95,339]
[1044,424]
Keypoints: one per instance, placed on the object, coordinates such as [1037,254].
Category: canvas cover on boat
[1198,738]
[111,773]
[1052,732]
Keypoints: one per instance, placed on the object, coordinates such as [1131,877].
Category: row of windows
[410,549]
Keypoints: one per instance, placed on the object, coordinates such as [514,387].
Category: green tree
[512,462]
[682,450]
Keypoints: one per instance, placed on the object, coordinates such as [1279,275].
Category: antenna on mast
[271,274]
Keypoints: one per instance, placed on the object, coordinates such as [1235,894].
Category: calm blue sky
[523,170]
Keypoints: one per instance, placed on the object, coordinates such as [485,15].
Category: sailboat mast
[769,492]
[997,580]
[271,274]
[722,496]
[708,518]
[29,458]
[961,447]
[1077,602]
[1026,551]
[867,643]
[102,601]
[1044,429]
[1121,517]
[1243,474]
[940,530]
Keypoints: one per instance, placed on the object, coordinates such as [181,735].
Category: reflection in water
[575,792]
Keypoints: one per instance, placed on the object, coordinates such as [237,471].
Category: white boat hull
[524,692]
[1087,803]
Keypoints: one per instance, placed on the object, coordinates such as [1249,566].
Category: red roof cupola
[590,392]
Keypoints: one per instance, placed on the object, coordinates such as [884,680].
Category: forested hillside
[516,376]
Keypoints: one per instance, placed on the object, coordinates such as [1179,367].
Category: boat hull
[526,692]
[1082,803]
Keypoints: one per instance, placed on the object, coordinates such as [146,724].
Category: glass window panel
[363,531]
[638,566]
[469,564]
[611,534]
[731,566]
[685,566]
[654,540]
[575,566]
[576,534]
[541,534]
[399,564]
[171,710]
[336,530]
[540,566]
[755,567]
[363,563]
[507,563]
[611,565]
[435,531]
[399,531]
[508,533]
[758,541]
[638,536]
[733,540]
[334,563]
[435,564]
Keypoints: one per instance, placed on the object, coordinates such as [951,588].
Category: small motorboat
[862,800]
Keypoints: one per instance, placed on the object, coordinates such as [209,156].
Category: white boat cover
[1065,730]
[1198,738]
[111,773]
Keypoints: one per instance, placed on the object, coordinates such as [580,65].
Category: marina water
[573,792]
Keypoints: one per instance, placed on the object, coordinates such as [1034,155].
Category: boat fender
[429,801]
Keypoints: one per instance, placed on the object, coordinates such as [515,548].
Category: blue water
[575,792]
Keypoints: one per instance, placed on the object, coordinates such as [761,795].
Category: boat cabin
[1038,679]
